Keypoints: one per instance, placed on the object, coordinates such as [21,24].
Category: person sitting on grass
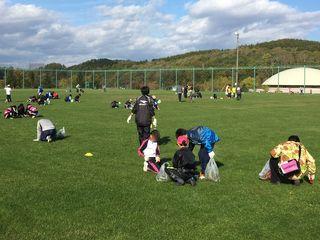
[32,99]
[32,111]
[10,112]
[291,150]
[68,98]
[55,95]
[77,98]
[129,104]
[115,104]
[206,138]
[21,110]
[42,100]
[46,131]
[150,151]
[184,164]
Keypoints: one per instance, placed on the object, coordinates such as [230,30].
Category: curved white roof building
[295,77]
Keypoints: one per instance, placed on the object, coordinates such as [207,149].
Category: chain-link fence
[209,79]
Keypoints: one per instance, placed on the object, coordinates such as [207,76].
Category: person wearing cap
[184,164]
[206,138]
[8,90]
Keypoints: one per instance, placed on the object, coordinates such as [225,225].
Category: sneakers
[192,181]
[49,139]
[145,167]
[202,176]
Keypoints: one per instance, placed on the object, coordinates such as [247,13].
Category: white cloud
[142,31]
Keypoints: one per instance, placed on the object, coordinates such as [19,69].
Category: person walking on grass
[144,114]
[206,138]
[8,90]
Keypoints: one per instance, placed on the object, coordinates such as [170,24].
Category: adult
[8,90]
[206,138]
[46,131]
[179,92]
[144,114]
[294,150]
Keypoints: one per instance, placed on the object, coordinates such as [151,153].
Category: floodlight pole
[237,61]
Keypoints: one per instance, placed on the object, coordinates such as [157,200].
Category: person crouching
[10,112]
[46,131]
[32,111]
[150,151]
[184,164]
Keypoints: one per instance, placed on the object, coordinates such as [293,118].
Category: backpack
[144,110]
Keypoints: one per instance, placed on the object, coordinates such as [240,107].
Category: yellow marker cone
[88,154]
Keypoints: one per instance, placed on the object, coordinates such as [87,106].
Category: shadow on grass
[219,164]
[164,140]
[164,160]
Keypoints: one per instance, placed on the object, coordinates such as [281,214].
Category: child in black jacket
[184,164]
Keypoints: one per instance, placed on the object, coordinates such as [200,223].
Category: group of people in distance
[20,111]
[233,92]
[184,164]
[187,92]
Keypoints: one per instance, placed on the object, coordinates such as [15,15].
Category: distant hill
[273,53]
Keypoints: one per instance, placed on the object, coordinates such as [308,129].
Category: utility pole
[237,61]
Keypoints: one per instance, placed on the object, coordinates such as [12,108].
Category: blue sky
[75,30]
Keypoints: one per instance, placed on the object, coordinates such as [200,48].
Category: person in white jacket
[8,90]
[46,131]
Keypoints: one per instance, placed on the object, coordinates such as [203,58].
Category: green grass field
[51,191]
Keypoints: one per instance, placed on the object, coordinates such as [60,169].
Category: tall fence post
[70,79]
[93,79]
[105,78]
[304,79]
[56,79]
[278,78]
[212,80]
[176,77]
[40,72]
[254,79]
[193,78]
[232,76]
[5,77]
[22,79]
[130,79]
[118,79]
[160,79]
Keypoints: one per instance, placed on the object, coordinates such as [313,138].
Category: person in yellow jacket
[292,149]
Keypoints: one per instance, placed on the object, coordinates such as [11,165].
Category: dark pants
[238,96]
[9,98]
[203,156]
[179,96]
[44,134]
[144,133]
[276,176]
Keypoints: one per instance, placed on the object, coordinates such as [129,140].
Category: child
[184,164]
[32,99]
[150,151]
[8,90]
[55,95]
[21,110]
[10,112]
[77,98]
[46,131]
[32,111]
[115,104]
[156,102]
[129,104]
[68,98]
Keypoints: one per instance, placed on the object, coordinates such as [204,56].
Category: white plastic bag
[265,173]
[212,171]
[162,176]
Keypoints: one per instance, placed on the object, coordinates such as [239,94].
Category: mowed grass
[51,191]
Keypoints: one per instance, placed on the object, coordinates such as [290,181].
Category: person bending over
[206,138]
[283,155]
[150,151]
[32,111]
[10,112]
[46,131]
[184,164]
[144,111]
[21,110]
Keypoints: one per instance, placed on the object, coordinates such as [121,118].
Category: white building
[294,80]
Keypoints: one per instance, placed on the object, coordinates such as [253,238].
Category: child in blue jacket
[206,138]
